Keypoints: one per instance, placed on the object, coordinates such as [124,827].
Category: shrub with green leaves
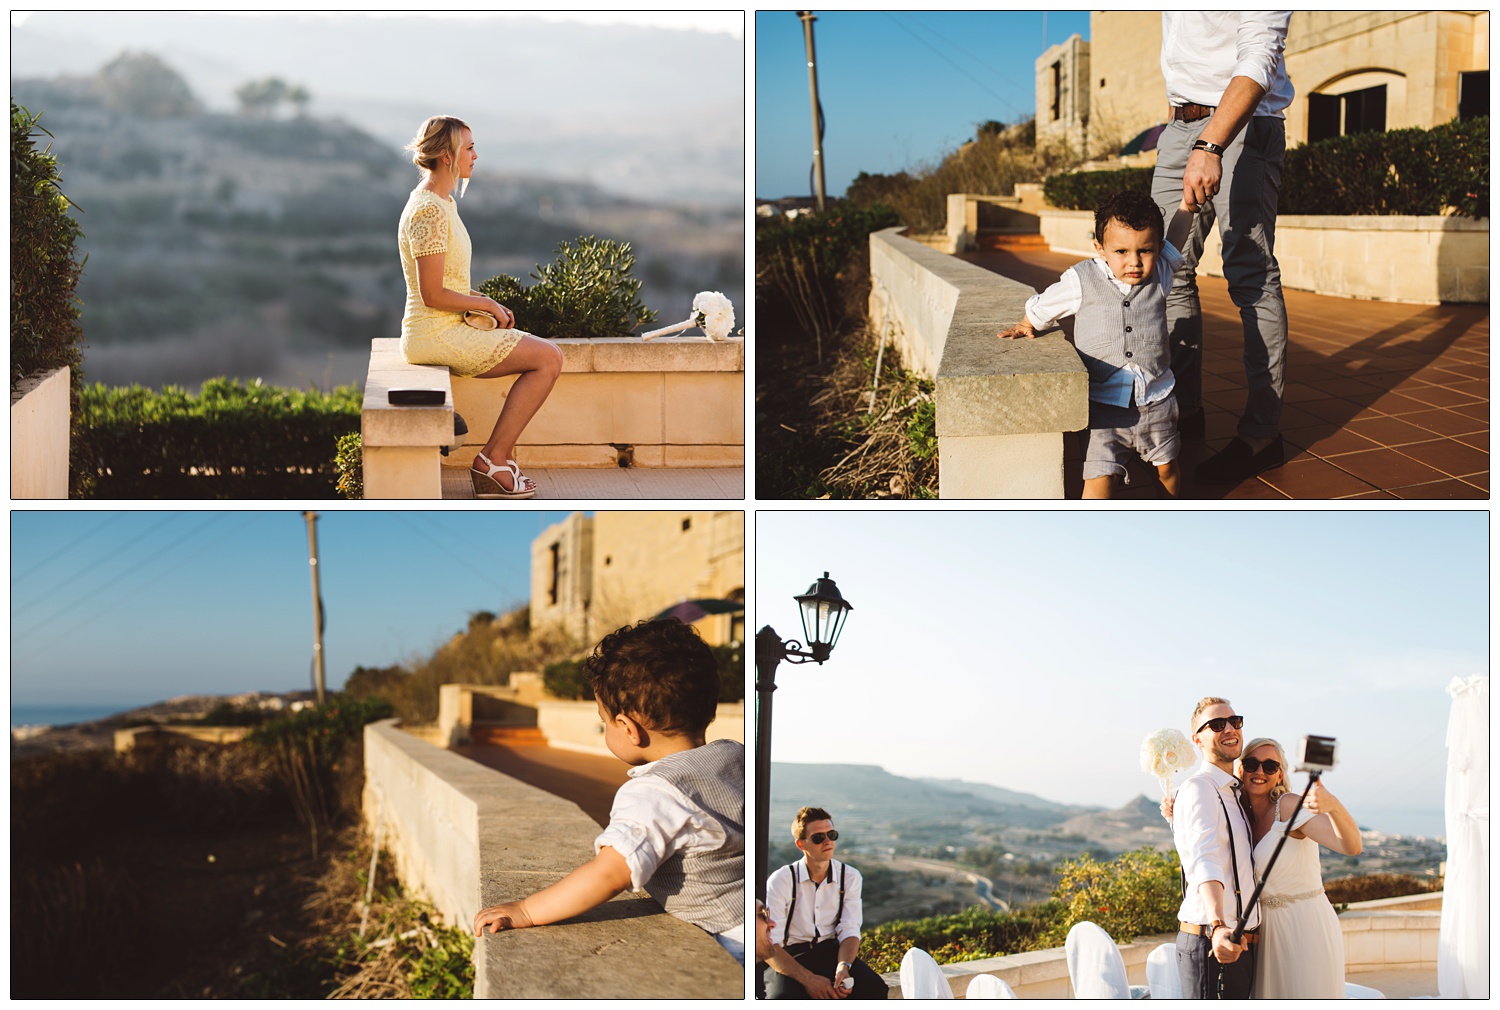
[44,271]
[231,441]
[568,679]
[1135,894]
[1087,190]
[349,461]
[586,292]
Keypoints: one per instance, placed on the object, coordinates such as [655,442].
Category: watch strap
[1209,146]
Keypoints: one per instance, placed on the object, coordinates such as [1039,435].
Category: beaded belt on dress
[1283,900]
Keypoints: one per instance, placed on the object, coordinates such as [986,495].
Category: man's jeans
[1201,975]
[1245,209]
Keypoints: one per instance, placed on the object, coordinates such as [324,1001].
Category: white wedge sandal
[486,486]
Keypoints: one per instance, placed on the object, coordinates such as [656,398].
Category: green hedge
[1417,172]
[569,679]
[231,441]
[44,330]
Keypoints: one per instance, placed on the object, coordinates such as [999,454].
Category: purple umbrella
[689,611]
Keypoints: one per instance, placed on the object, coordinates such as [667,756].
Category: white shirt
[817,904]
[649,821]
[1064,299]
[1203,839]
[1202,50]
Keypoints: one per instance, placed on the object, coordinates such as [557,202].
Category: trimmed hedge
[44,272]
[569,679]
[231,441]
[1415,171]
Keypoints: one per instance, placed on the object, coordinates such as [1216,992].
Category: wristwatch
[1215,925]
[1209,146]
[844,964]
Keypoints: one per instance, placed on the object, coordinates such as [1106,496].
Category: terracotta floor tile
[1447,422]
[1387,468]
[1372,496]
[1479,480]
[1452,457]
[1390,430]
[1392,402]
[1443,490]
[1442,396]
[1347,388]
[1250,490]
[1338,411]
[1293,418]
[1329,440]
[1478,411]
[1479,440]
[1474,387]
[1315,478]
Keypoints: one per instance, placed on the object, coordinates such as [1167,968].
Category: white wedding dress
[1301,953]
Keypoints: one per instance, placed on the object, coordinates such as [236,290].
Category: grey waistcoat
[1112,329]
[707,888]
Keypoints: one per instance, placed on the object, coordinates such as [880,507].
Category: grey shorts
[1115,432]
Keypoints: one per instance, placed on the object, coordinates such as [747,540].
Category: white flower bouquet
[711,311]
[1164,753]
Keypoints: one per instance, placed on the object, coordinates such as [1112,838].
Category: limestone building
[592,574]
[1352,71]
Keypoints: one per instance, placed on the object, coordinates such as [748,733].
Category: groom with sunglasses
[1214,842]
[815,904]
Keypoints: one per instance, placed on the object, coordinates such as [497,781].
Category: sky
[1036,651]
[899,89]
[132,608]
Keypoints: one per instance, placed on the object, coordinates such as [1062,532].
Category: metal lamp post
[823,614]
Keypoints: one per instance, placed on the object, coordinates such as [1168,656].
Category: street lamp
[823,614]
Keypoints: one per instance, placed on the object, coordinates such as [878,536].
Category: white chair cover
[1095,964]
[989,987]
[1161,972]
[1464,927]
[921,978]
[1353,991]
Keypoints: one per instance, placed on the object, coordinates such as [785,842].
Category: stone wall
[464,837]
[1421,260]
[1002,406]
[40,413]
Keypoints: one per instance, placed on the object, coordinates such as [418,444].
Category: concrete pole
[817,119]
[312,562]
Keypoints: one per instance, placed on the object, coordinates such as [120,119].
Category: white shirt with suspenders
[809,912]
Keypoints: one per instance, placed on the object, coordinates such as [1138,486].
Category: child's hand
[511,915]
[1021,329]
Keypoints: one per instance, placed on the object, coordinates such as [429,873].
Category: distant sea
[62,715]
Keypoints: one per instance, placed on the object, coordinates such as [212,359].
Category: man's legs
[1184,316]
[1202,976]
[867,984]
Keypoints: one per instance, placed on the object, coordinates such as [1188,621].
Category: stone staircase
[507,736]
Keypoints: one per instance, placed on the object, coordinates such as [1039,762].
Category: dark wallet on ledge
[417,397]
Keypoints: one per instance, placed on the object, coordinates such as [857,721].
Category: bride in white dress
[1302,945]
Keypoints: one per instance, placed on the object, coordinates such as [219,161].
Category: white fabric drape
[921,978]
[1464,934]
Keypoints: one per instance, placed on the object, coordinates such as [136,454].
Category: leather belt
[1250,936]
[1191,113]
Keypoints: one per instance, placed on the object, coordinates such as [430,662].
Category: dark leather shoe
[1235,462]
[1190,426]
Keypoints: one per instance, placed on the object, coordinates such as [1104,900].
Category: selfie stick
[1239,930]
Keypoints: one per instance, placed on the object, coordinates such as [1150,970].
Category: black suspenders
[792,908]
[1234,861]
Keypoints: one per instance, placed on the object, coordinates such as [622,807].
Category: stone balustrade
[1002,406]
[463,837]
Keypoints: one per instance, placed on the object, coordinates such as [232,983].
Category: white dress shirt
[1064,299]
[817,904]
[1202,50]
[1203,838]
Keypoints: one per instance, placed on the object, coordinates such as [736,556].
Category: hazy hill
[265,247]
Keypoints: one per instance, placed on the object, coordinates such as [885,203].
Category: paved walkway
[1383,400]
[590,780]
[606,483]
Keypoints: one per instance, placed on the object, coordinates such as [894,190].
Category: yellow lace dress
[430,224]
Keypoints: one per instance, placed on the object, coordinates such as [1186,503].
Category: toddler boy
[1120,300]
[677,828]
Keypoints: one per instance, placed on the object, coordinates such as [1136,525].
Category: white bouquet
[711,311]
[1165,752]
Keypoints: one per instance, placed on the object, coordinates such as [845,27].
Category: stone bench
[402,445]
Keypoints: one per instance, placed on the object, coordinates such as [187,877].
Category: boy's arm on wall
[592,884]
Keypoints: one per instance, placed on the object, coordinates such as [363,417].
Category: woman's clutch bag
[481,320]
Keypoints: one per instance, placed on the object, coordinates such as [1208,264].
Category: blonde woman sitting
[435,252]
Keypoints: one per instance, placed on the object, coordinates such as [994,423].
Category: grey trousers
[1205,978]
[1245,209]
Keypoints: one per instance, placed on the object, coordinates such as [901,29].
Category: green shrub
[1377,885]
[1135,894]
[349,461]
[809,267]
[731,660]
[567,679]
[44,307]
[973,933]
[1087,190]
[587,292]
[231,441]
[1415,171]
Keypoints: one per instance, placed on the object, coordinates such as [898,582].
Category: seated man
[815,905]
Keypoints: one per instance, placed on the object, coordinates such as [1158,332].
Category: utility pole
[817,110]
[312,562]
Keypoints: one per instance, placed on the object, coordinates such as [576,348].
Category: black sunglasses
[817,839]
[1217,725]
[1271,765]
